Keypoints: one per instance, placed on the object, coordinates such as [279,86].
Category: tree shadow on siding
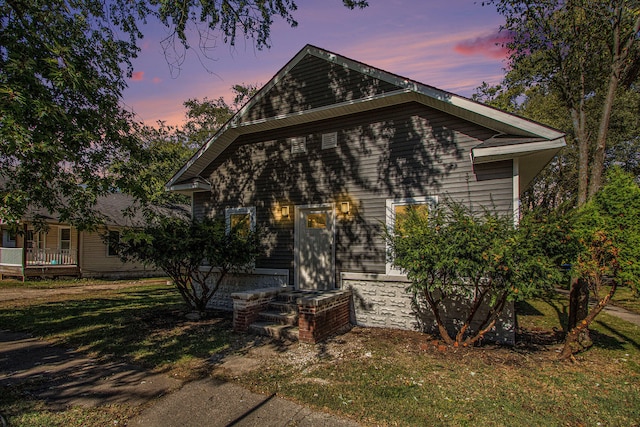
[392,152]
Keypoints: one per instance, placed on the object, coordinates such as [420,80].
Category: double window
[396,210]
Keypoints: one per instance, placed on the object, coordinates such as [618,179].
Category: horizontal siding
[396,152]
[95,262]
[315,83]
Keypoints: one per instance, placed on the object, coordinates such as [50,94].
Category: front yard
[374,376]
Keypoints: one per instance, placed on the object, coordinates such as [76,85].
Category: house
[46,247]
[325,155]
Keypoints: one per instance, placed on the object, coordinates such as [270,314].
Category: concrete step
[277,316]
[284,332]
[283,307]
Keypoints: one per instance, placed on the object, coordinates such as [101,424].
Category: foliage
[608,228]
[206,116]
[164,148]
[191,253]
[63,68]
[62,72]
[451,255]
[582,51]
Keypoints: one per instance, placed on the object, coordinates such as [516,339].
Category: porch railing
[11,256]
[52,257]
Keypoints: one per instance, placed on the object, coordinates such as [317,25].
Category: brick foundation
[324,315]
[247,305]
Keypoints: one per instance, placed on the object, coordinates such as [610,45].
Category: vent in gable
[329,140]
[298,145]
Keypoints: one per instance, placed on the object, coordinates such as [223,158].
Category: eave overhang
[189,187]
[487,154]
[409,91]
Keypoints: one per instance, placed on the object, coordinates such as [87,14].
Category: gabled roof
[525,137]
[115,209]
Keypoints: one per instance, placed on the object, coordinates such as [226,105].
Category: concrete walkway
[619,312]
[66,378]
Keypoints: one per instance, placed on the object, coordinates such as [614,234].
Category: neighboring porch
[30,262]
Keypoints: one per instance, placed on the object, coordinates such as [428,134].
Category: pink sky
[449,44]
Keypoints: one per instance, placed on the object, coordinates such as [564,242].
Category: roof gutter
[505,152]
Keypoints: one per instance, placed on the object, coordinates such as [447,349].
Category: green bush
[451,254]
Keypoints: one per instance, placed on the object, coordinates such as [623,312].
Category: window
[35,240]
[65,239]
[241,219]
[8,239]
[113,241]
[397,208]
[317,220]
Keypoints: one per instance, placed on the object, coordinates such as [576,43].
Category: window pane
[114,240]
[401,212]
[241,223]
[65,234]
[317,220]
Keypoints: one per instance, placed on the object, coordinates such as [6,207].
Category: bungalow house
[46,247]
[328,152]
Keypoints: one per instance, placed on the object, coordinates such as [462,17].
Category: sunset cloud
[137,76]
[491,45]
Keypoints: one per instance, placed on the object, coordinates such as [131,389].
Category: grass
[374,376]
[627,299]
[69,283]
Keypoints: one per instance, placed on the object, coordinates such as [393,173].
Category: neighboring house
[326,154]
[58,249]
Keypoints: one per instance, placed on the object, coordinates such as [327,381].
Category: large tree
[607,228]
[63,67]
[162,149]
[583,51]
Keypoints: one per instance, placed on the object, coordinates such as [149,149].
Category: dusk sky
[449,44]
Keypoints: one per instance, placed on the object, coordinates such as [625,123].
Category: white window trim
[60,238]
[390,222]
[39,241]
[251,210]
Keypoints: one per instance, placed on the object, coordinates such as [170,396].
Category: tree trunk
[578,119]
[444,334]
[578,303]
[578,311]
[572,343]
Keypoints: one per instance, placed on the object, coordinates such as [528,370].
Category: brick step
[277,316]
[278,331]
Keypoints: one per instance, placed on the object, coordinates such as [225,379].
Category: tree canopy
[63,67]
[586,54]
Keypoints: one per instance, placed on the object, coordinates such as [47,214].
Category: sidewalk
[64,378]
[619,312]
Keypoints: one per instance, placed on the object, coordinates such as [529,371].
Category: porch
[30,262]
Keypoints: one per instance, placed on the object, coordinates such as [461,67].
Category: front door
[314,248]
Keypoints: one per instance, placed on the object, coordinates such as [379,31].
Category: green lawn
[374,376]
